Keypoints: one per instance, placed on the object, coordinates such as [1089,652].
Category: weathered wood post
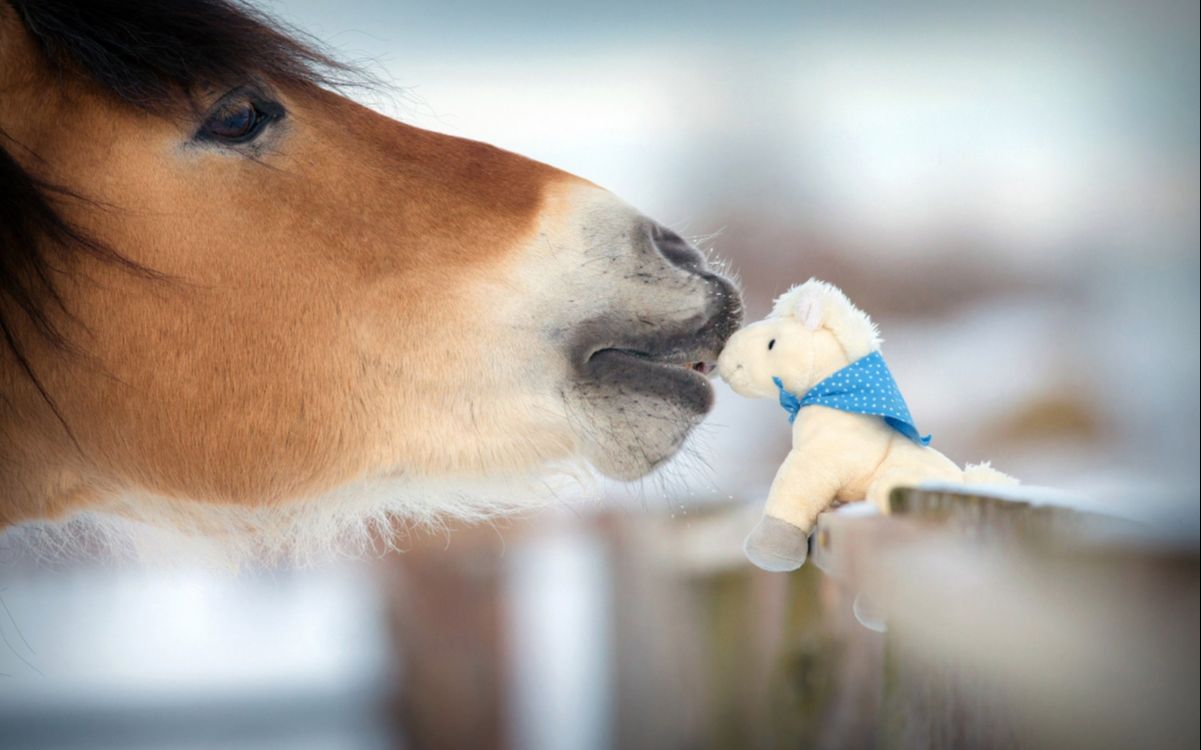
[1015,624]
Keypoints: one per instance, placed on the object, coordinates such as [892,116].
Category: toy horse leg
[779,542]
[908,465]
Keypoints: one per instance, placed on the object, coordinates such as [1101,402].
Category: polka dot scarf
[863,387]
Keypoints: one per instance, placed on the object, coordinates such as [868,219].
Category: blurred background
[1010,190]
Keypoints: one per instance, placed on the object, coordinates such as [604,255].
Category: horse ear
[809,309]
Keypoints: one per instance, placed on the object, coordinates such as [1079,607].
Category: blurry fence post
[1010,624]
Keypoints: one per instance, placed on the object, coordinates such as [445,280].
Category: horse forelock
[153,55]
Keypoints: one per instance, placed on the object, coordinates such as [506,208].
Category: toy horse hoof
[776,546]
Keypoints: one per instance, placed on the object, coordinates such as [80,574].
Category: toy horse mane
[818,304]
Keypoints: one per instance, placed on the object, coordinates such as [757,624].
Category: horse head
[225,283]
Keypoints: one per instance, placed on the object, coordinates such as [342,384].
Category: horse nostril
[676,249]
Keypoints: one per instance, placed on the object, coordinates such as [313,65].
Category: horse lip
[698,341]
[666,379]
[703,356]
[695,344]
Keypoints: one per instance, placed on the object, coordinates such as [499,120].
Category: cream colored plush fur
[813,331]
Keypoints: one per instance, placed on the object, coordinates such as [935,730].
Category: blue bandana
[863,387]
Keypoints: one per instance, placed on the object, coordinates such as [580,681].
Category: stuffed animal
[852,434]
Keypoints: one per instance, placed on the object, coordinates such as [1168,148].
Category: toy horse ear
[808,310]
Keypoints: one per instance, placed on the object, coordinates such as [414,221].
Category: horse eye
[236,122]
[771,344]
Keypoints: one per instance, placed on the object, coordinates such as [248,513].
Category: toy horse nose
[676,249]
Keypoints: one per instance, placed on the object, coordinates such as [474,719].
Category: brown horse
[232,298]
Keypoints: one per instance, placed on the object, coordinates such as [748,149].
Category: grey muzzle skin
[776,546]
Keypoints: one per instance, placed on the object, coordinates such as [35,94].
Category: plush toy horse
[852,435]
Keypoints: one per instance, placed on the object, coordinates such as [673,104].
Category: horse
[236,302]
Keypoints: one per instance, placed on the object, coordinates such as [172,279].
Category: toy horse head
[812,331]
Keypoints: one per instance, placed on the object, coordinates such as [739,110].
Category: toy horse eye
[237,121]
[771,344]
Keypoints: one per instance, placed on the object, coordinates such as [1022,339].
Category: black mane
[149,53]
[155,56]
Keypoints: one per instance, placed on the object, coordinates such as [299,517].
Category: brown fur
[347,237]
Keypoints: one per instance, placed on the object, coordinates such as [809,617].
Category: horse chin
[630,440]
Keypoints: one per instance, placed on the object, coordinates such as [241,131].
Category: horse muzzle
[642,366]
